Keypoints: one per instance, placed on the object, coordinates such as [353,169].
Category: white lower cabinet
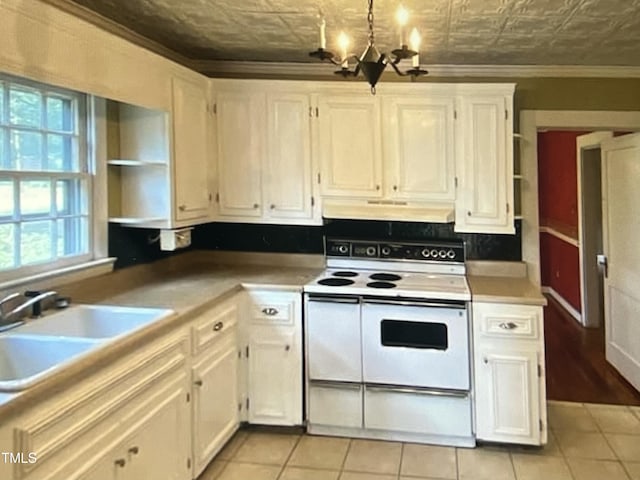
[275,358]
[509,373]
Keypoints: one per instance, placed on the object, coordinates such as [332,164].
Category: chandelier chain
[370,20]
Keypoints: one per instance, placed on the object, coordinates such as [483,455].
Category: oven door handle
[421,391]
[327,299]
[406,303]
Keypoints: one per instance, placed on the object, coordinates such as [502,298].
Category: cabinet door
[485,165]
[419,148]
[507,400]
[240,127]
[275,377]
[350,146]
[287,175]
[159,444]
[215,400]
[190,117]
[103,467]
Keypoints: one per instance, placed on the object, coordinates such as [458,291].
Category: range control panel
[433,251]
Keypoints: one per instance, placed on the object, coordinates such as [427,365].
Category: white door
[288,177]
[621,227]
[484,165]
[215,401]
[419,148]
[275,377]
[240,130]
[589,168]
[507,408]
[350,146]
[190,120]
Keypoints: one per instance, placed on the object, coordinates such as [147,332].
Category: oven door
[420,344]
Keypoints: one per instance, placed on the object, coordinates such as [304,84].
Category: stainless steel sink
[26,360]
[94,321]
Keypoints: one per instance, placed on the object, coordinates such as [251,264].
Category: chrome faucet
[11,318]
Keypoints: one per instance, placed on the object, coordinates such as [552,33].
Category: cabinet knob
[395,188]
[270,311]
[287,348]
[121,462]
[272,206]
[256,206]
[134,450]
[182,208]
[486,360]
[508,326]
[198,383]
[468,213]
[377,187]
[218,326]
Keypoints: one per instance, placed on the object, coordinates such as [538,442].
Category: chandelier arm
[398,71]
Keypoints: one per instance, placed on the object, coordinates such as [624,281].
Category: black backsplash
[302,239]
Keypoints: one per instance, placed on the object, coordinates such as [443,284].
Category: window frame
[86,174]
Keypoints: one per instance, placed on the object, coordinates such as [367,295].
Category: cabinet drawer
[213,324]
[508,321]
[335,404]
[84,415]
[417,412]
[275,308]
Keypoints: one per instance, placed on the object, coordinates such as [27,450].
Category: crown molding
[104,23]
[215,68]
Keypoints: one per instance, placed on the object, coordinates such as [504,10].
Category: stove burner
[345,274]
[335,282]
[387,277]
[381,285]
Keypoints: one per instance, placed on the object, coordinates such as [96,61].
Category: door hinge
[246,351]
[311,111]
[217,197]
[239,406]
[455,114]
[318,179]
[247,403]
[210,197]
[188,397]
[455,181]
[539,370]
[507,209]
[317,112]
[313,201]
[215,108]
[506,114]
[541,425]
[188,463]
[239,353]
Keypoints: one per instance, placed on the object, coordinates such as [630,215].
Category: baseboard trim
[563,303]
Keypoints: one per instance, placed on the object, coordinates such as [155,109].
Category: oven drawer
[335,404]
[416,411]
[507,321]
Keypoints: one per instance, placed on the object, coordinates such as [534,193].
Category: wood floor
[576,367]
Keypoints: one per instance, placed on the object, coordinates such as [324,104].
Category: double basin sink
[38,349]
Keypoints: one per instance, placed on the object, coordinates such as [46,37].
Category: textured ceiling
[497,32]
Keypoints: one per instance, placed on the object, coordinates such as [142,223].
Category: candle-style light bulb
[323,34]
[402,17]
[343,43]
[414,39]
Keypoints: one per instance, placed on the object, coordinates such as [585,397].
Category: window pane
[72,236]
[7,246]
[69,197]
[35,242]
[2,119]
[60,153]
[59,114]
[26,151]
[25,107]
[4,155]
[35,197]
[6,198]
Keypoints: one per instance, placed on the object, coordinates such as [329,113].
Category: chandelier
[372,63]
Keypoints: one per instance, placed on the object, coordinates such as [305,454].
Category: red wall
[558,194]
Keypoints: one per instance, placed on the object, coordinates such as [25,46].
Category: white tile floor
[586,442]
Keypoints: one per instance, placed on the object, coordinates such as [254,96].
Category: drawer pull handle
[486,360]
[121,462]
[508,326]
[287,348]
[218,326]
[270,311]
[198,383]
[134,450]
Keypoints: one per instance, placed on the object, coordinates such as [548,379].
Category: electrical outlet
[174,239]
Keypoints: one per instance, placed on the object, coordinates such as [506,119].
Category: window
[45,182]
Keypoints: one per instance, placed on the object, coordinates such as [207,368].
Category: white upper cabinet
[484,201]
[190,122]
[239,153]
[264,154]
[288,170]
[419,147]
[350,146]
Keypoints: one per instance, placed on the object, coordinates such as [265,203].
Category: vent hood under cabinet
[388,210]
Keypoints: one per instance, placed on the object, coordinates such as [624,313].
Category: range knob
[386,251]
[451,254]
[425,253]
[371,251]
[434,253]
[442,254]
[343,249]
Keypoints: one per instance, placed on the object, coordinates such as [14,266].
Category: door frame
[531,121]
[588,141]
